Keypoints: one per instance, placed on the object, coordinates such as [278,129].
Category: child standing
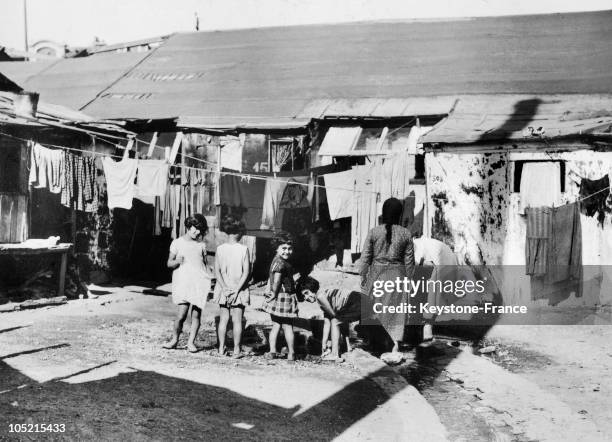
[232,270]
[190,279]
[281,301]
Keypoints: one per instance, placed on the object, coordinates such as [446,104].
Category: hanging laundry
[152,178]
[365,208]
[46,168]
[78,183]
[539,226]
[236,191]
[540,185]
[596,203]
[565,247]
[157,214]
[271,216]
[120,176]
[296,195]
[246,197]
[339,189]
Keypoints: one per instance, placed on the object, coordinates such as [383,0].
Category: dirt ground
[97,366]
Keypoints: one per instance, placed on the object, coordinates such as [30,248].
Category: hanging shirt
[152,178]
[340,195]
[540,185]
[120,176]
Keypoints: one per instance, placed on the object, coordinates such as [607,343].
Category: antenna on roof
[25,24]
[197,21]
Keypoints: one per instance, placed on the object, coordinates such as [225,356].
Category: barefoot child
[282,300]
[190,279]
[232,270]
[340,307]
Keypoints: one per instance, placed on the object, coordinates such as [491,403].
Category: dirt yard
[97,366]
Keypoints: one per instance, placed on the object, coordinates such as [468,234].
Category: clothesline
[239,174]
[259,177]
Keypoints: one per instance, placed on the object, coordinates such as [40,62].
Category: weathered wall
[472,207]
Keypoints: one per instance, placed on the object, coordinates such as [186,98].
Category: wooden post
[62,274]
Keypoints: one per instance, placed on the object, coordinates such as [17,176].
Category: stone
[393,358]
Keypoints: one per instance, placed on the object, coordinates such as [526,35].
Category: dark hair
[308,283]
[281,238]
[198,221]
[232,225]
[391,214]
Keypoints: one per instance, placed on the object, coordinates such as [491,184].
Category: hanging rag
[271,216]
[539,227]
[296,193]
[597,197]
[339,189]
[237,192]
[565,246]
[152,178]
[46,168]
[120,176]
[540,185]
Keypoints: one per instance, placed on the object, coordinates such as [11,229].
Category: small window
[518,172]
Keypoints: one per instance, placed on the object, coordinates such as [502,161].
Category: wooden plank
[44,302]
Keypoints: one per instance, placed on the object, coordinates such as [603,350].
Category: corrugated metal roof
[72,82]
[522,117]
[282,76]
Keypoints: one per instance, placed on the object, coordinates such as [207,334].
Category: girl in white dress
[190,279]
[232,270]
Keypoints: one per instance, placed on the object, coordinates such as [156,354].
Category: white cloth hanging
[120,176]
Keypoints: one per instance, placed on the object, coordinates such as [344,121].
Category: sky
[77,22]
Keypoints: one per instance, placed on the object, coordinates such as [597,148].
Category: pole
[25,25]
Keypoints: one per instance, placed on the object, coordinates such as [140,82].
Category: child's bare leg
[237,329]
[335,337]
[345,332]
[223,319]
[181,314]
[274,335]
[325,338]
[288,331]
[196,313]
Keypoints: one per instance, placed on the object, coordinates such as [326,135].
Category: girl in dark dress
[388,254]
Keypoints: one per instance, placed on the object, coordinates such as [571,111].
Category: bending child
[282,300]
[232,270]
[340,307]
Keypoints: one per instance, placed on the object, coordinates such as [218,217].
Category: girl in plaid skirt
[281,300]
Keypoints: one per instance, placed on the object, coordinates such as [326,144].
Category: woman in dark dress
[388,254]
